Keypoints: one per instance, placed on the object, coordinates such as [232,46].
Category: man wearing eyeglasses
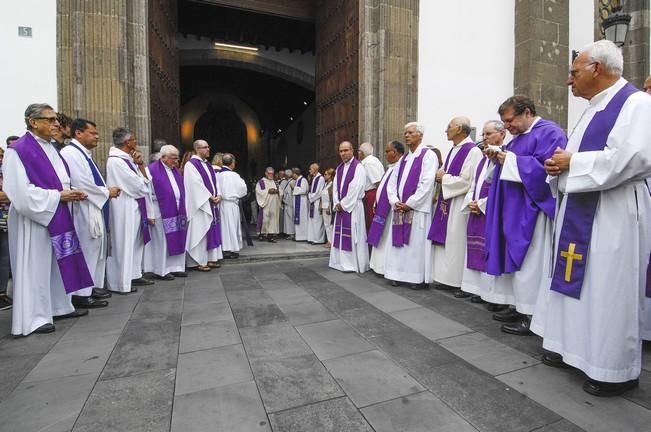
[597,307]
[46,259]
[520,210]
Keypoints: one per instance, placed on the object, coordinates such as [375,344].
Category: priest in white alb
[202,205]
[379,234]
[592,315]
[448,229]
[299,194]
[127,216]
[315,228]
[411,190]
[285,189]
[90,215]
[268,199]
[349,252]
[46,259]
[232,188]
[165,254]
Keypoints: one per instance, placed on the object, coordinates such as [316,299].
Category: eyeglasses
[573,72]
[50,120]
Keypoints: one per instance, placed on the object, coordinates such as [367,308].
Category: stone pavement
[293,346]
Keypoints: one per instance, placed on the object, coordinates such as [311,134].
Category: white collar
[600,100]
[80,145]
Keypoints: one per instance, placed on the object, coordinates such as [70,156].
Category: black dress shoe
[141,281]
[554,360]
[518,328]
[101,293]
[477,299]
[494,307]
[44,329]
[461,294]
[417,287]
[133,290]
[167,277]
[443,287]
[604,389]
[74,314]
[87,302]
[396,283]
[180,274]
[509,315]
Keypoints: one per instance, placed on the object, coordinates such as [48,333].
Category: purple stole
[65,243]
[476,232]
[214,239]
[576,233]
[439,229]
[260,217]
[512,208]
[401,229]
[142,206]
[315,183]
[382,209]
[343,220]
[175,218]
[297,204]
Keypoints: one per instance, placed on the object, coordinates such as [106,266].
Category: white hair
[288,172]
[608,54]
[167,150]
[366,148]
[419,127]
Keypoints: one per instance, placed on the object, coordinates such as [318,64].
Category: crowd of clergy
[552,233]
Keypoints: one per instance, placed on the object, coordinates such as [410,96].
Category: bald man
[448,228]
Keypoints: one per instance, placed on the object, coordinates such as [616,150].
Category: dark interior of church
[277,101]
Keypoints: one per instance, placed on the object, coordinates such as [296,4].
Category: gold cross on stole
[571,256]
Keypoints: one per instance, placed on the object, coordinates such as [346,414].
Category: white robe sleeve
[374,171]
[34,203]
[119,174]
[355,189]
[510,170]
[302,189]
[626,157]
[425,182]
[453,186]
[261,196]
[197,197]
[314,197]
[81,177]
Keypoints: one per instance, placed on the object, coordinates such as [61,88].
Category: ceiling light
[235,47]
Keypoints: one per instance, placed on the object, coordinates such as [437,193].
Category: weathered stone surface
[333,339]
[332,415]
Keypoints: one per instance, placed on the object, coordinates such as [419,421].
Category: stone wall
[541,53]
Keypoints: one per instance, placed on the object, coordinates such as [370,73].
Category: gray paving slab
[145,345]
[232,408]
[561,426]
[333,339]
[135,403]
[255,316]
[560,390]
[288,295]
[371,377]
[166,309]
[273,342]
[487,354]
[206,312]
[488,404]
[369,321]
[388,302]
[198,295]
[335,276]
[361,287]
[162,293]
[642,394]
[422,412]
[201,370]
[338,299]
[208,335]
[309,311]
[97,326]
[249,298]
[118,304]
[74,357]
[293,381]
[335,415]
[14,369]
[34,343]
[46,406]
[430,324]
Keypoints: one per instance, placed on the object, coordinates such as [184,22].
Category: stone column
[102,67]
[388,69]
[541,53]
[636,49]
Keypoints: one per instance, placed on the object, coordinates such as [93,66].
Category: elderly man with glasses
[46,258]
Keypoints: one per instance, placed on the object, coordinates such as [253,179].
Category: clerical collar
[39,139]
[605,94]
[225,168]
[465,141]
[197,157]
[536,120]
[80,145]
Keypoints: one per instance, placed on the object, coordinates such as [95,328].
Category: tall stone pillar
[636,49]
[388,69]
[541,53]
[102,66]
